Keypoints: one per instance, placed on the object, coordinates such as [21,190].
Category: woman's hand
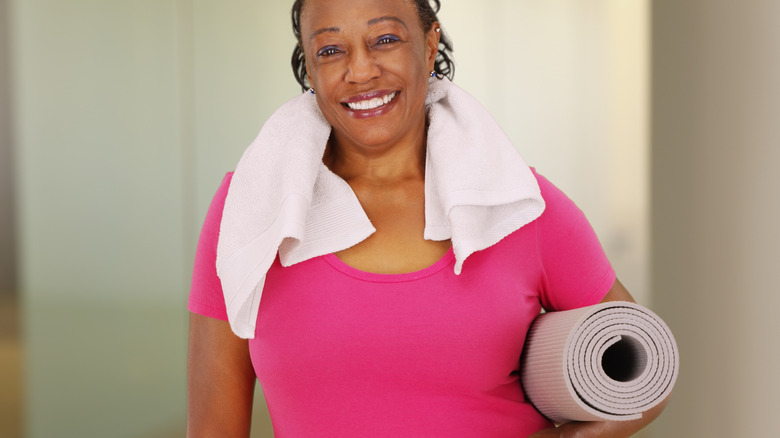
[570,430]
[592,429]
[600,429]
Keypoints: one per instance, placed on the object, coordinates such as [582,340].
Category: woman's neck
[378,166]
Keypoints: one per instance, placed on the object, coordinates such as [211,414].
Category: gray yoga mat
[611,361]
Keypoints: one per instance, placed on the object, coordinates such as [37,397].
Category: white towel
[282,198]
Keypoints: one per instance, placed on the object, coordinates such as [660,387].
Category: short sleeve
[206,296]
[575,269]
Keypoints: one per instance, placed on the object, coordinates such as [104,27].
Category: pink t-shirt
[345,353]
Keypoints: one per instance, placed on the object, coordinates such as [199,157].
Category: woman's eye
[387,39]
[328,51]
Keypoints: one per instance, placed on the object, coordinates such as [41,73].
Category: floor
[10,369]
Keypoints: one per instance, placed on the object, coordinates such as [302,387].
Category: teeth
[372,104]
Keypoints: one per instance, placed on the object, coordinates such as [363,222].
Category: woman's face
[369,62]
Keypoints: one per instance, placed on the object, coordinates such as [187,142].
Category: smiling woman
[378,256]
[353,59]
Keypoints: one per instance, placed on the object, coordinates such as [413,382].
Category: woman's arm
[604,429]
[220,380]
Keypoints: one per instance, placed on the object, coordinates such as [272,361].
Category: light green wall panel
[98,150]
[240,73]
[100,206]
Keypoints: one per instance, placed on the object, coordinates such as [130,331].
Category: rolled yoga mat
[611,361]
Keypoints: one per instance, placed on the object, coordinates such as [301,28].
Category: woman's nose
[362,67]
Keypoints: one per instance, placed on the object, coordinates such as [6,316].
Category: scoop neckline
[445,260]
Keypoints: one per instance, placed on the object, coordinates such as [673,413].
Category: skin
[220,380]
[355,51]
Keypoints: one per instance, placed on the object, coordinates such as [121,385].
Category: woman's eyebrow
[377,20]
[371,22]
[324,30]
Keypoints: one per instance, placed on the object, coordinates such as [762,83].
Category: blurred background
[118,119]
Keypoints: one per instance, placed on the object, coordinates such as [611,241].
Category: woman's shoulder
[556,201]
[206,289]
[214,214]
[576,269]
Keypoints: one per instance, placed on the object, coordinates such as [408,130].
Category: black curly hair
[444,65]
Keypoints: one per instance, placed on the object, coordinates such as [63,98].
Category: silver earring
[311,90]
[434,74]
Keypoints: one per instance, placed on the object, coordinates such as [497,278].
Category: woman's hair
[444,65]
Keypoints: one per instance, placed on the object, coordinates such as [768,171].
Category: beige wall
[715,211]
[7,210]
[567,81]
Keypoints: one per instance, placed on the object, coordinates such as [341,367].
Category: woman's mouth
[371,104]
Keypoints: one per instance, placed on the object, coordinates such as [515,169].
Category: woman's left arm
[604,429]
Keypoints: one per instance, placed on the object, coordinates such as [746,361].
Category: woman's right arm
[220,380]
[220,376]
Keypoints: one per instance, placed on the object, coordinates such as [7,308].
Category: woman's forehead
[332,13]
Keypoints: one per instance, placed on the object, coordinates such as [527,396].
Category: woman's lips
[370,104]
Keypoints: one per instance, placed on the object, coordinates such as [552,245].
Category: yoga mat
[611,361]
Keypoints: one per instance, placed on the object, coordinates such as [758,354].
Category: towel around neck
[283,200]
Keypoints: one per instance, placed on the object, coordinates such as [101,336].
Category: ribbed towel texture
[283,199]
[611,361]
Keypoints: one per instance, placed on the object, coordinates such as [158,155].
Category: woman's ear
[434,35]
[308,72]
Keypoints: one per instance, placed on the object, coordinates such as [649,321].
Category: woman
[380,337]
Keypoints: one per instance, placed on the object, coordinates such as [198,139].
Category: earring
[311,90]
[434,74]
